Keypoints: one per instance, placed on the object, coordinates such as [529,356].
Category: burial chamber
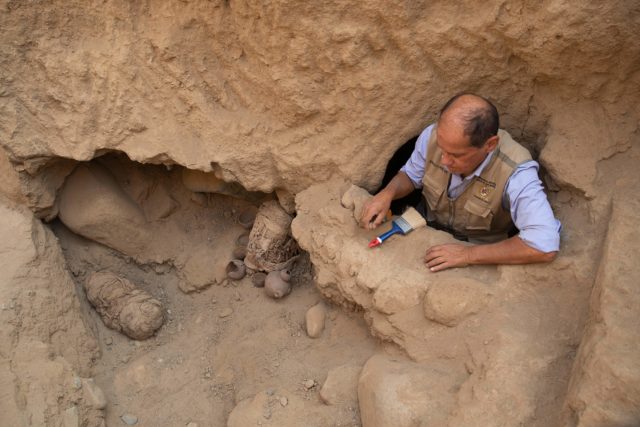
[297,102]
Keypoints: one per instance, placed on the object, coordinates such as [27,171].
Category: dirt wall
[287,97]
[283,94]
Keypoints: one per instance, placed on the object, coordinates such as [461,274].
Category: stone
[94,394]
[248,411]
[226,312]
[129,419]
[203,267]
[314,320]
[354,199]
[309,384]
[94,206]
[399,393]
[341,386]
[450,301]
[71,418]
[283,401]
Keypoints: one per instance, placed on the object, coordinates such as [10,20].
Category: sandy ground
[217,347]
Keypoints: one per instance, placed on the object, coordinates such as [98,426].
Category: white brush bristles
[414,219]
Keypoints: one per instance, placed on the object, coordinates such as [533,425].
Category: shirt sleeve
[414,168]
[530,209]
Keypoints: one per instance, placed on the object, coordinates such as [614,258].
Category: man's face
[458,155]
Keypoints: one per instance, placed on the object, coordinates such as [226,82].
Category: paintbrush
[404,224]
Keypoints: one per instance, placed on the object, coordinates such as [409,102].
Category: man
[480,185]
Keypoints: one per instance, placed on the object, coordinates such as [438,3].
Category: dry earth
[133,134]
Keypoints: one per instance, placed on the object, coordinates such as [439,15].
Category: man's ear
[491,143]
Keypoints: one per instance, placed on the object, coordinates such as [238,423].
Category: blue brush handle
[395,229]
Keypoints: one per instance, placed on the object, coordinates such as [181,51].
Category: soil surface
[218,347]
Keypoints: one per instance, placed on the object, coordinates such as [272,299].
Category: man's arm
[374,211]
[539,238]
[510,251]
[408,179]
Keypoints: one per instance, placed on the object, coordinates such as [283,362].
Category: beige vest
[477,214]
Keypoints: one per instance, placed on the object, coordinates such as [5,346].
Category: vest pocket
[479,217]
[432,190]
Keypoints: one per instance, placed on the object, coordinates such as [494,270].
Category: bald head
[476,116]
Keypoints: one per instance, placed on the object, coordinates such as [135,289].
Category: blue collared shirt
[523,195]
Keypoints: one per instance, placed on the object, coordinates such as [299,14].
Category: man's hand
[510,251]
[375,209]
[441,257]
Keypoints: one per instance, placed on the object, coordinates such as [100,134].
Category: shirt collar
[480,168]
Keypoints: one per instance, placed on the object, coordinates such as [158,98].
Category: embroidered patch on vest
[485,192]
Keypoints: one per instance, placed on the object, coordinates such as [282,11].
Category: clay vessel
[236,269]
[239,252]
[258,279]
[248,217]
[243,240]
[275,284]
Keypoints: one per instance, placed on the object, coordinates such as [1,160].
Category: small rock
[70,417]
[284,401]
[226,312]
[448,302]
[341,385]
[309,384]
[258,279]
[267,413]
[270,391]
[77,383]
[94,394]
[315,318]
[129,419]
[395,392]
[108,340]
